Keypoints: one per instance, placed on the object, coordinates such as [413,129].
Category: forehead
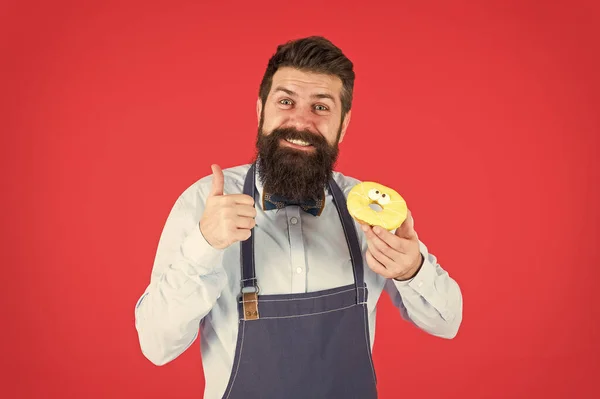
[306,83]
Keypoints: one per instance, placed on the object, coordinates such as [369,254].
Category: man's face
[300,127]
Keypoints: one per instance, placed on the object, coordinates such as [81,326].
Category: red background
[483,116]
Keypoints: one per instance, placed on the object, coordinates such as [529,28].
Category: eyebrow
[318,95]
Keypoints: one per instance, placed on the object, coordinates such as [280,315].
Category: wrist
[413,271]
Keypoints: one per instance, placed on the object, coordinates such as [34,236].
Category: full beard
[293,173]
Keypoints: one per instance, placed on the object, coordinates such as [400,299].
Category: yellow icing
[362,195]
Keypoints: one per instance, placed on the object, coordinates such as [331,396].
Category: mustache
[290,133]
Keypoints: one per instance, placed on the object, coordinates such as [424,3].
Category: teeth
[298,142]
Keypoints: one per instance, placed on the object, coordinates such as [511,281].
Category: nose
[302,119]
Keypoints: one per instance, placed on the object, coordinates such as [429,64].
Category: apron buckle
[250,303]
[250,300]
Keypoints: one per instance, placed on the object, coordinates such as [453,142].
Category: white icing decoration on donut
[384,200]
[374,194]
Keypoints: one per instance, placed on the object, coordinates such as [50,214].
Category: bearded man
[264,263]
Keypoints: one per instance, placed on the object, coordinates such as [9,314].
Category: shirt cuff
[424,284]
[425,277]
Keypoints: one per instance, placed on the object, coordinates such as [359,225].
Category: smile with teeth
[298,142]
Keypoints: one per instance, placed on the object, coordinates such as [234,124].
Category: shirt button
[299,270]
[294,220]
[420,283]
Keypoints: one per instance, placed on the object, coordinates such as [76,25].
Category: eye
[284,101]
[385,199]
[321,108]
[374,194]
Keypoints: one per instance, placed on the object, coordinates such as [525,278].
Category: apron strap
[249,281]
[247,246]
[351,238]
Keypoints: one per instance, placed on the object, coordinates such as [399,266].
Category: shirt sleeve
[431,300]
[186,280]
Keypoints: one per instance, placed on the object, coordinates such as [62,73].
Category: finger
[382,258]
[240,199]
[242,234]
[242,222]
[376,266]
[381,248]
[407,229]
[245,210]
[393,241]
[368,230]
[218,181]
[371,237]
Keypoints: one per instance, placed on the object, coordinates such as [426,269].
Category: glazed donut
[394,210]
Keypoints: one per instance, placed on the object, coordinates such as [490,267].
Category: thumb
[407,229]
[218,181]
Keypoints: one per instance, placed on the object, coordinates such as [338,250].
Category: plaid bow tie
[272,201]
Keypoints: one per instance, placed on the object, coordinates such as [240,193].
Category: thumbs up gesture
[226,218]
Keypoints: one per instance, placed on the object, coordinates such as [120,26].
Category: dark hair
[312,54]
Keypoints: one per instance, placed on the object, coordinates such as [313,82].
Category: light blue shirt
[193,287]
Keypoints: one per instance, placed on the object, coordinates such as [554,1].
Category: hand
[395,255]
[226,218]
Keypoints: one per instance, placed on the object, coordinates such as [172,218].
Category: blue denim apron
[303,346]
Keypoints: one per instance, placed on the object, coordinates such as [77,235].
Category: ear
[258,110]
[345,124]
